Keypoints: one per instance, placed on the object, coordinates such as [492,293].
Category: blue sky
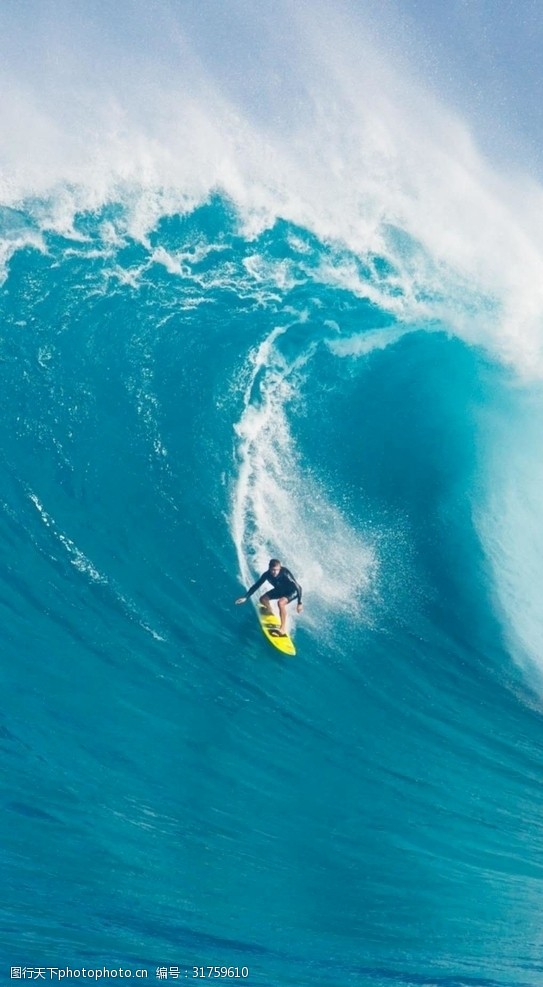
[483,57]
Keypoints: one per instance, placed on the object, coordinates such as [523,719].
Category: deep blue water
[174,410]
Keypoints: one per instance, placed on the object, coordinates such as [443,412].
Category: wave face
[212,356]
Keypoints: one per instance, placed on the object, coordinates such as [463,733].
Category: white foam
[13,241]
[278,508]
[364,343]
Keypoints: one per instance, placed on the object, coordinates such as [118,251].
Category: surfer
[285,590]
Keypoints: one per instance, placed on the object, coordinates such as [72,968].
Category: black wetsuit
[284,584]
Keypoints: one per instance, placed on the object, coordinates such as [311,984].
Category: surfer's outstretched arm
[254,587]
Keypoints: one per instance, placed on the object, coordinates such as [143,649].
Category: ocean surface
[338,364]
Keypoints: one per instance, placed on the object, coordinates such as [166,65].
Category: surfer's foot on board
[277,633]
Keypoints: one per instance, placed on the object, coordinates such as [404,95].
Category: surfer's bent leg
[282,603]
[265,601]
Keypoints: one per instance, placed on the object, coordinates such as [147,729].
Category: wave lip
[313,152]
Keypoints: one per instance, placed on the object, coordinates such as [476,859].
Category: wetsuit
[284,584]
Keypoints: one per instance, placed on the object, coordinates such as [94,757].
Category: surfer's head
[274,566]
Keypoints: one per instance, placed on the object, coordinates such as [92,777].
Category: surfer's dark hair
[273,562]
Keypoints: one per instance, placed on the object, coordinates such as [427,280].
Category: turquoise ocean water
[186,390]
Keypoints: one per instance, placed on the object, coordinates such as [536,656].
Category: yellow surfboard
[269,622]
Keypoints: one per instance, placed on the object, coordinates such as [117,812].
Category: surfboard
[268,621]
